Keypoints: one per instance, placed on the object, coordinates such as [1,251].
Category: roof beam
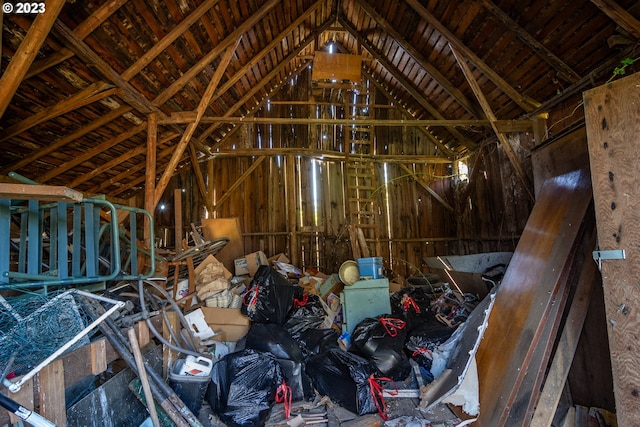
[106,166]
[564,71]
[620,16]
[61,142]
[88,95]
[513,158]
[525,102]
[176,32]
[417,56]
[202,107]
[408,86]
[93,152]
[26,53]
[81,31]
[215,52]
[131,95]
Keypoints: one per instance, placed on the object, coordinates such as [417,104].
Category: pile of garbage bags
[293,350]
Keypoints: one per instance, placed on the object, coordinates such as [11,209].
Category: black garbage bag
[274,339]
[344,377]
[307,313]
[423,339]
[269,297]
[243,388]
[411,304]
[381,340]
[314,341]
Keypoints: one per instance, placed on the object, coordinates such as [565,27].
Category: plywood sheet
[215,228]
[337,66]
[612,115]
[531,285]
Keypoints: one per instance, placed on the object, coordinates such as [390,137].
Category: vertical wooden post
[177,203]
[611,113]
[52,401]
[150,181]
[210,188]
[290,195]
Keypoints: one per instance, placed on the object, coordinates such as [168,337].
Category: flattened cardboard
[230,322]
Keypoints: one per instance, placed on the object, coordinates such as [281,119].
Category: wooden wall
[280,205]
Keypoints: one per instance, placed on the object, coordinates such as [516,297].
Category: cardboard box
[241,266]
[229,322]
[208,260]
[280,258]
[255,260]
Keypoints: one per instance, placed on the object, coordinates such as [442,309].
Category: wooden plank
[52,400]
[24,397]
[86,96]
[186,137]
[177,217]
[150,174]
[620,16]
[129,155]
[98,356]
[424,185]
[48,193]
[362,242]
[611,113]
[336,66]
[529,288]
[557,376]
[26,53]
[167,40]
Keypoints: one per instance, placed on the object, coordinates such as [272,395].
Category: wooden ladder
[361,178]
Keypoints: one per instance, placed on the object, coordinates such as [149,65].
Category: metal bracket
[598,256]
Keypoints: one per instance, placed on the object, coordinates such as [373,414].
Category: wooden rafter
[513,158]
[202,106]
[167,40]
[116,179]
[81,31]
[131,95]
[564,71]
[86,96]
[469,106]
[61,142]
[93,152]
[525,102]
[214,53]
[408,86]
[620,16]
[129,155]
[26,53]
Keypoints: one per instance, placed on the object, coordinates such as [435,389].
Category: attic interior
[148,143]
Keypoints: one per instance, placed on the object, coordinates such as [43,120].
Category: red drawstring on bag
[392,325]
[408,302]
[254,298]
[283,394]
[377,392]
[301,302]
[421,350]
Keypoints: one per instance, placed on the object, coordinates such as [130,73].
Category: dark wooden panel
[529,289]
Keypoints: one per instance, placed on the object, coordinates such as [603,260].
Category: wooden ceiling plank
[61,142]
[81,31]
[88,95]
[215,52]
[141,165]
[106,166]
[513,158]
[424,185]
[564,71]
[525,102]
[408,86]
[26,53]
[131,95]
[167,40]
[93,152]
[417,56]
[620,16]
[202,106]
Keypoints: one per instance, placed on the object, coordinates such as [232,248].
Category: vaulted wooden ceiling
[80,81]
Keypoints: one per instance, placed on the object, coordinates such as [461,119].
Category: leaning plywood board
[612,116]
[531,286]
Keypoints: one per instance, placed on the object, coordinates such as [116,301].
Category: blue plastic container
[370,268]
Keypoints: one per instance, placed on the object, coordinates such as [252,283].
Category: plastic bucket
[370,268]
[349,273]
[189,388]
